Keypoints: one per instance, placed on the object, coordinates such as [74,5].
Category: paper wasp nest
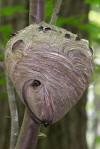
[50,69]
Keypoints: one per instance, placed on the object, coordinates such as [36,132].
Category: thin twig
[28,134]
[13,109]
[55,12]
[14,114]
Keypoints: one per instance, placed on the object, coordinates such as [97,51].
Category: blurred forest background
[80,128]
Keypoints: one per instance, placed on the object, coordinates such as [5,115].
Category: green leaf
[5,31]
[2,81]
[72,20]
[41,134]
[89,27]
[49,9]
[98,139]
[5,28]
[96,72]
[92,1]
[1,56]
[11,10]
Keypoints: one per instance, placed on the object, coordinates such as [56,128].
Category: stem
[37,11]
[55,12]
[13,110]
[28,134]
[14,114]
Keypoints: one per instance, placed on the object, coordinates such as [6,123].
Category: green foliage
[2,78]
[49,9]
[98,139]
[2,81]
[96,73]
[5,31]
[92,1]
[72,20]
[1,57]
[77,21]
[11,10]
[41,134]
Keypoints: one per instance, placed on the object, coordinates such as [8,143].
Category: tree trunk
[70,132]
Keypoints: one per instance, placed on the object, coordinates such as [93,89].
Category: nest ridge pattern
[58,59]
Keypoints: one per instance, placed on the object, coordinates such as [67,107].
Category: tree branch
[13,108]
[55,12]
[28,134]
[14,114]
[37,11]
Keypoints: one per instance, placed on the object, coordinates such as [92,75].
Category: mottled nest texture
[50,68]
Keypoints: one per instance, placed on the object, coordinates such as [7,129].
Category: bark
[28,135]
[70,132]
[37,11]
[56,12]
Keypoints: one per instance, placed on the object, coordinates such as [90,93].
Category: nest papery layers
[61,61]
